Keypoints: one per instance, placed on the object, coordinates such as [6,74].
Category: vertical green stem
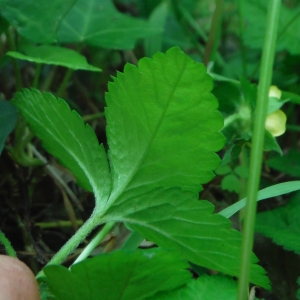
[37,76]
[215,25]
[12,46]
[257,145]
[241,29]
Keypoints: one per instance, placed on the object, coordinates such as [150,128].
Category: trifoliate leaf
[162,130]
[65,136]
[119,275]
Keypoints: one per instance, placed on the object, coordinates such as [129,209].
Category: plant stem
[12,46]
[95,241]
[212,37]
[72,243]
[37,76]
[257,146]
[64,83]
[133,241]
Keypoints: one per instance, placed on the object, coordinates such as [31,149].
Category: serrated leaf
[282,224]
[101,25]
[162,129]
[119,275]
[8,119]
[37,21]
[288,163]
[163,124]
[54,55]
[176,220]
[204,288]
[65,136]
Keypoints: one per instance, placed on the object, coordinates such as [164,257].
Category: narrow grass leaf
[269,192]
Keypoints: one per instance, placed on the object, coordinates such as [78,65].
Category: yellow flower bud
[275,92]
[275,123]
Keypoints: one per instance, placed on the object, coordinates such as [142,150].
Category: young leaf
[282,224]
[204,288]
[65,136]
[119,275]
[101,25]
[54,55]
[37,21]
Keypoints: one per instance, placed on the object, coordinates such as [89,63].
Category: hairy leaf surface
[65,136]
[119,275]
[100,24]
[163,129]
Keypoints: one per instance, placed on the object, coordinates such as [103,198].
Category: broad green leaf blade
[100,24]
[37,21]
[163,129]
[8,119]
[204,288]
[65,136]
[119,275]
[54,55]
[282,224]
[176,220]
[163,125]
[269,192]
[255,13]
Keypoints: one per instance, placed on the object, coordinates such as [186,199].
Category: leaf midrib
[116,194]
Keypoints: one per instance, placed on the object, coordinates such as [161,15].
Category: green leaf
[162,130]
[119,275]
[54,55]
[231,183]
[282,224]
[288,163]
[204,288]
[269,192]
[255,13]
[163,125]
[176,220]
[8,120]
[65,136]
[101,25]
[270,143]
[37,21]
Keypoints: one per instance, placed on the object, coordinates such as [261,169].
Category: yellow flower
[276,121]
